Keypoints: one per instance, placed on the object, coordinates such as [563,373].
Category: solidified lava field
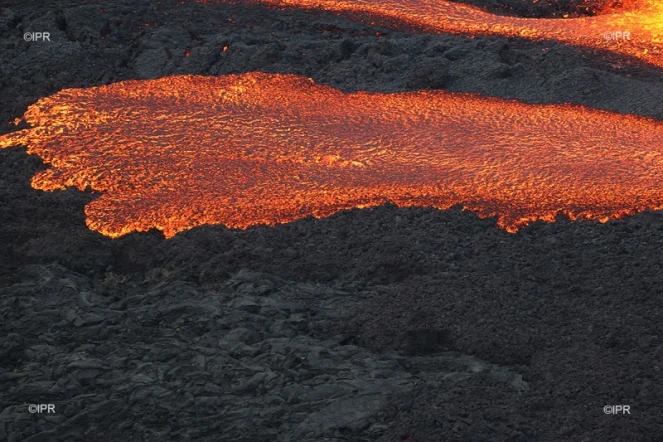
[380,323]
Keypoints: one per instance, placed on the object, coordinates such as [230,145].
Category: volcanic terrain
[373,306]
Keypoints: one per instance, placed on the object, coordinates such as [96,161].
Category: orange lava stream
[252,149]
[643,23]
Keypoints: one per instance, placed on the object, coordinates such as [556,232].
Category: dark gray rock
[298,379]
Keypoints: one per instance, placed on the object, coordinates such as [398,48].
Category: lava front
[635,32]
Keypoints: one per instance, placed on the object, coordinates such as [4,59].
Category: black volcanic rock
[544,8]
[269,347]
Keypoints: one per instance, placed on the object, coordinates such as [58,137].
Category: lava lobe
[251,149]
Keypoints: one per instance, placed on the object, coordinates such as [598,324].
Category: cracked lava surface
[642,23]
[252,149]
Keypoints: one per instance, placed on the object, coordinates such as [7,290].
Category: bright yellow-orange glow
[251,149]
[643,22]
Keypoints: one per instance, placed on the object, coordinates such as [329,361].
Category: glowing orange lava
[251,149]
[634,32]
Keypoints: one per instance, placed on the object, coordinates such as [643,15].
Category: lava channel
[252,149]
[634,32]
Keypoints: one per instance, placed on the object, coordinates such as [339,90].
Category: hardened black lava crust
[383,324]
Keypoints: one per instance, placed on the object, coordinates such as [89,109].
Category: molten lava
[251,149]
[634,32]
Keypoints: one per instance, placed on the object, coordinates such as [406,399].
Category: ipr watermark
[617,36]
[41,408]
[37,36]
[617,409]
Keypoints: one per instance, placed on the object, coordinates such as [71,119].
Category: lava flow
[634,32]
[243,150]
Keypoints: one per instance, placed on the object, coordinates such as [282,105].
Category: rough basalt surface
[383,324]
